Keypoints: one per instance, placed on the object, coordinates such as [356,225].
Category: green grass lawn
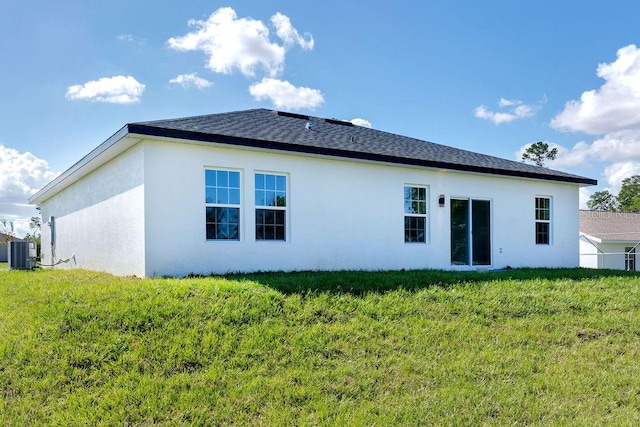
[535,347]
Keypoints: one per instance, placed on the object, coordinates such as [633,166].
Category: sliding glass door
[470,232]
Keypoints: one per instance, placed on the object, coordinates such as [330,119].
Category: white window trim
[286,209]
[426,215]
[549,221]
[241,219]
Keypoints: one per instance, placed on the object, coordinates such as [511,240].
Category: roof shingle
[610,226]
[294,132]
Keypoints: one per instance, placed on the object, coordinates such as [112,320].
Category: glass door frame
[469,254]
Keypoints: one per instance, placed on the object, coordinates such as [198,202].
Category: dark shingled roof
[306,134]
[610,226]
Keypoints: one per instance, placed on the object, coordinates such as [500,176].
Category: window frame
[234,203]
[412,218]
[279,206]
[543,216]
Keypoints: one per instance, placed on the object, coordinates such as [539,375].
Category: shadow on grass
[361,282]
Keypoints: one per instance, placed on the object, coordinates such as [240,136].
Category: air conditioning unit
[21,255]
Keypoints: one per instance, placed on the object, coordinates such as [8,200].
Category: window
[271,207]
[630,258]
[543,220]
[415,218]
[222,198]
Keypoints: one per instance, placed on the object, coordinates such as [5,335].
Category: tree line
[627,200]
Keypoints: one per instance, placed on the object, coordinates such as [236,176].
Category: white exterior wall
[99,220]
[341,214]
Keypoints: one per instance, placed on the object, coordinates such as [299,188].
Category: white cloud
[516,110]
[584,193]
[616,172]
[188,80]
[619,146]
[129,38]
[21,175]
[285,95]
[507,102]
[612,107]
[126,38]
[288,34]
[115,90]
[361,122]
[242,44]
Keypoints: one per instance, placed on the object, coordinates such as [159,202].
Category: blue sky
[488,76]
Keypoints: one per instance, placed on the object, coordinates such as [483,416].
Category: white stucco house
[609,240]
[263,190]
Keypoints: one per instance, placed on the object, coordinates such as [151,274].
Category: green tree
[539,153]
[629,195]
[603,201]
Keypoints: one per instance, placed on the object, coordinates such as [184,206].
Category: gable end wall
[99,220]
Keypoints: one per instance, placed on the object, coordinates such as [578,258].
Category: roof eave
[79,168]
[255,143]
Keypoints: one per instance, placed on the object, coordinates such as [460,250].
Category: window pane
[543,208]
[223,178]
[542,233]
[210,178]
[269,217]
[234,179]
[259,198]
[234,196]
[281,183]
[223,196]
[270,198]
[459,232]
[259,232]
[414,229]
[270,224]
[210,215]
[259,181]
[210,196]
[415,200]
[232,215]
[270,182]
[269,233]
[233,231]
[281,199]
[222,223]
[212,231]
[481,235]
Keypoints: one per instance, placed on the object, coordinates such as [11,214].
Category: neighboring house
[4,247]
[609,239]
[262,190]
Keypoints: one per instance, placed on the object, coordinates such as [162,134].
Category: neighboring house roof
[276,130]
[610,227]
